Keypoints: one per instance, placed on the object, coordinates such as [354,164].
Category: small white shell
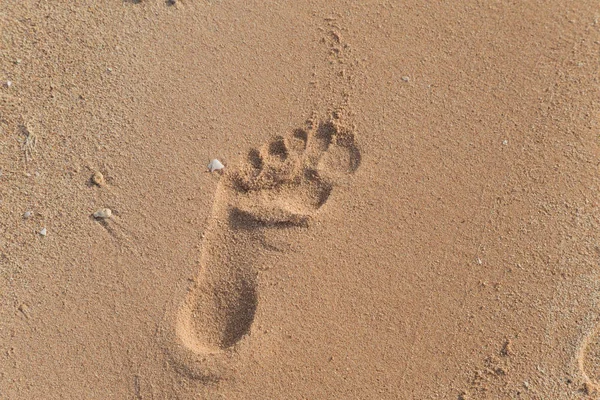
[215,165]
[27,214]
[43,232]
[103,213]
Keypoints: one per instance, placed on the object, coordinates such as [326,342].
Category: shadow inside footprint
[300,136]
[247,220]
[219,312]
[278,148]
[324,135]
[240,315]
[255,160]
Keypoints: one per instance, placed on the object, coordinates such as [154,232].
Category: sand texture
[408,209]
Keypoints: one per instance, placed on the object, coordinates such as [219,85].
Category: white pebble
[43,232]
[103,213]
[8,84]
[505,142]
[406,78]
[215,165]
[27,214]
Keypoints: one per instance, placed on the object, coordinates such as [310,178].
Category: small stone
[215,165]
[505,142]
[103,213]
[406,78]
[43,232]
[18,61]
[28,214]
[98,179]
[8,84]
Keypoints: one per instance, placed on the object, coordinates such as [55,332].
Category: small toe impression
[346,142]
[299,140]
[255,159]
[278,148]
[342,156]
[324,135]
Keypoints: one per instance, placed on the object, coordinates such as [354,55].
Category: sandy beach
[408,206]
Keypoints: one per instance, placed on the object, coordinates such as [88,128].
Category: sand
[408,208]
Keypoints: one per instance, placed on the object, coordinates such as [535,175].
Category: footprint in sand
[589,362]
[281,185]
